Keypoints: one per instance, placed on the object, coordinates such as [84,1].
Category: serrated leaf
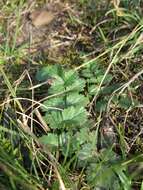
[66,100]
[94,66]
[71,82]
[82,136]
[86,73]
[57,86]
[95,80]
[107,79]
[98,78]
[54,119]
[86,153]
[75,99]
[50,139]
[73,115]
[92,89]
[70,77]
[57,102]
[109,89]
[77,86]
[60,72]
[124,101]
[102,176]
[101,105]
[46,73]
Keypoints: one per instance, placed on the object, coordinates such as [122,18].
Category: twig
[44,124]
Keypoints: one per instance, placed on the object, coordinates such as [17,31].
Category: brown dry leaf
[41,18]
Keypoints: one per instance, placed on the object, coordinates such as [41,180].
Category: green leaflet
[71,103]
[72,116]
[50,139]
[46,73]
[70,125]
[71,82]
[66,100]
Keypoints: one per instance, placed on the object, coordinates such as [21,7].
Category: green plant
[93,111]
[65,111]
[70,127]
